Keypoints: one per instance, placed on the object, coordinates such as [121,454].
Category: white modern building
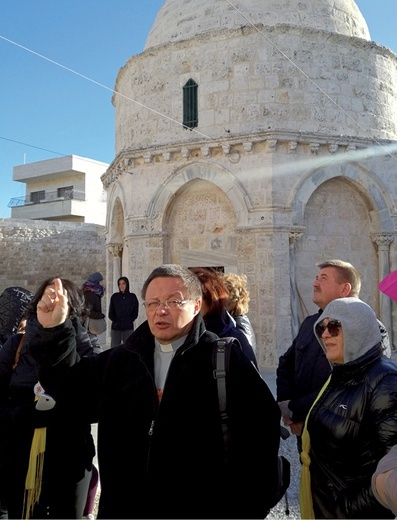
[65,189]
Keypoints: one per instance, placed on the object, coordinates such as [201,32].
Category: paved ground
[287,448]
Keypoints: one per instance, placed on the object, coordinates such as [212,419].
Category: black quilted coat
[351,427]
[354,421]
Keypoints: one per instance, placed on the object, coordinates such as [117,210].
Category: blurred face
[331,334]
[169,323]
[122,285]
[327,288]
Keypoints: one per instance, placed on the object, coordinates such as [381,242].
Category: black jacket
[69,444]
[225,325]
[94,304]
[303,368]
[243,323]
[167,460]
[123,308]
[351,427]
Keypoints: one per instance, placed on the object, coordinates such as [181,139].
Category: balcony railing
[51,196]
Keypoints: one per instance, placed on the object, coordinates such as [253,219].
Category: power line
[178,122]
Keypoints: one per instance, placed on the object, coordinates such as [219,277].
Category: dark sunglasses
[333,327]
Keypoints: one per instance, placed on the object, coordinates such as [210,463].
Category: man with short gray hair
[303,368]
[161,446]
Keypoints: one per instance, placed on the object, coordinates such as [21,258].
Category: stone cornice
[233,148]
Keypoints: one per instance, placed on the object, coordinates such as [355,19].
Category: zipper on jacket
[150,432]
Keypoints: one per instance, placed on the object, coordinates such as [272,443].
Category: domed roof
[183,19]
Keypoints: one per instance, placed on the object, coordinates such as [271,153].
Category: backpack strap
[220,363]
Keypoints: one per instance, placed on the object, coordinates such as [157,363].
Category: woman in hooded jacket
[353,421]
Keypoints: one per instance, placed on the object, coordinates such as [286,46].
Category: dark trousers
[117,337]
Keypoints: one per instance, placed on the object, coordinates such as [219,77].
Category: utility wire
[178,122]
[97,83]
[309,78]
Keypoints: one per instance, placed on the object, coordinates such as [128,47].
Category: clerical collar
[169,347]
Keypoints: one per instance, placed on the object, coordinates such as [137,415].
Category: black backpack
[220,363]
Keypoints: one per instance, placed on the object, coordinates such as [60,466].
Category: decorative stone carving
[271,144]
[383,240]
[115,249]
[295,235]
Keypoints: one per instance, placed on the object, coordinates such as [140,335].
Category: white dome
[183,19]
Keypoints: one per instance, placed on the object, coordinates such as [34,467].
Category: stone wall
[32,250]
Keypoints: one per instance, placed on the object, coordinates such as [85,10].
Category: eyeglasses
[333,327]
[168,304]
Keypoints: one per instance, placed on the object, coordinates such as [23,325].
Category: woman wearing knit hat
[353,421]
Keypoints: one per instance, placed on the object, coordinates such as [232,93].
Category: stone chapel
[260,137]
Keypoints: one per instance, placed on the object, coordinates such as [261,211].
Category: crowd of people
[154,399]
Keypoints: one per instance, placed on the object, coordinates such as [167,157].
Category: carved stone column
[383,241]
[116,251]
[294,236]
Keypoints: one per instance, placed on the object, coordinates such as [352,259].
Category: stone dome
[183,19]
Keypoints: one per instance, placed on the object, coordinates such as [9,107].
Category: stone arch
[377,196]
[200,225]
[340,208]
[215,174]
[116,226]
[117,259]
[115,215]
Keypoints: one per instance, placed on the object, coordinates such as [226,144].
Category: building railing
[51,196]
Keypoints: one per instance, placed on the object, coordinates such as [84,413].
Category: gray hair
[190,280]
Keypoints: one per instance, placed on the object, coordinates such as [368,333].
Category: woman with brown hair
[216,317]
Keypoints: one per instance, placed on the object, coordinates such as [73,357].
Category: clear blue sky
[45,108]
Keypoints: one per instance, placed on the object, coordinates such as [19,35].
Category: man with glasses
[160,440]
[304,368]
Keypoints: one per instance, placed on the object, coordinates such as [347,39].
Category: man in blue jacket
[303,368]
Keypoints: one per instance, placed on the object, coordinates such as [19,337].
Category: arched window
[190,104]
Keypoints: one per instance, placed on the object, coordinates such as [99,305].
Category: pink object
[389,285]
